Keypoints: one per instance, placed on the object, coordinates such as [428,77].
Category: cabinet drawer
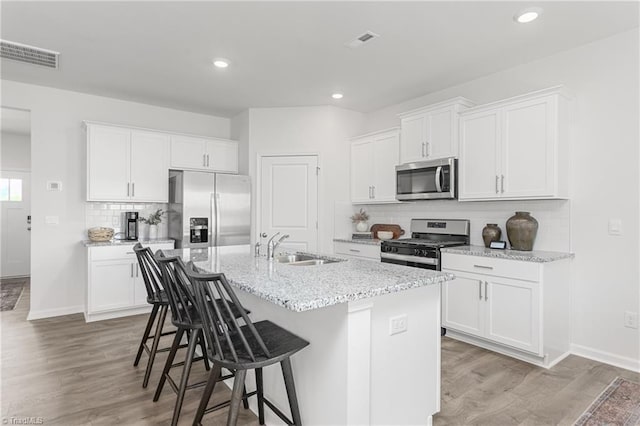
[357,250]
[121,251]
[515,269]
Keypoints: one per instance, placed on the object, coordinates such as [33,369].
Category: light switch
[51,220]
[615,227]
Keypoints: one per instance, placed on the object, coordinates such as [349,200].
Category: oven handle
[414,259]
[438,179]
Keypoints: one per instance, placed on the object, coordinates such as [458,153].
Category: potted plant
[360,219]
[153,221]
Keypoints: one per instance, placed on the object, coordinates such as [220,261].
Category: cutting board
[397,231]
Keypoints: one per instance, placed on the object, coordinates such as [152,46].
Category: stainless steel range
[428,236]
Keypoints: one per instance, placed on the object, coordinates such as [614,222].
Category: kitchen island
[373,328]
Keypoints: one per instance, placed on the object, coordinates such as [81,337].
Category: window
[10,189]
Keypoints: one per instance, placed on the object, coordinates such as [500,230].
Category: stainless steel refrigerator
[209,209]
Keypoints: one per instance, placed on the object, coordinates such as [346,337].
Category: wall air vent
[361,39]
[28,54]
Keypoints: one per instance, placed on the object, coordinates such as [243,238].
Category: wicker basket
[100,234]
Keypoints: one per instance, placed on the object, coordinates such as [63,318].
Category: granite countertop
[527,256]
[369,242]
[303,288]
[88,243]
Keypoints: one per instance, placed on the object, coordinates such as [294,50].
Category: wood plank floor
[71,373]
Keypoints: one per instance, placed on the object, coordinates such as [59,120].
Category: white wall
[59,153]
[322,130]
[15,151]
[603,76]
[240,132]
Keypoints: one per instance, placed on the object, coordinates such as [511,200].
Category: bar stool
[240,348]
[157,297]
[185,317]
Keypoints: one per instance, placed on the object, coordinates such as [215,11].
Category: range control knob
[394,249]
[417,252]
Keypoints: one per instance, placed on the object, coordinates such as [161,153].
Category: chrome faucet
[271,245]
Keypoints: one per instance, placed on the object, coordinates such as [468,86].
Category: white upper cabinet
[515,149]
[373,167]
[206,154]
[431,132]
[126,165]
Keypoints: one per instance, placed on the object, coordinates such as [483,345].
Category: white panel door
[386,156]
[528,157]
[362,171]
[15,226]
[513,313]
[441,141]
[413,139]
[222,156]
[109,160]
[149,166]
[112,285]
[462,304]
[188,152]
[479,156]
[289,200]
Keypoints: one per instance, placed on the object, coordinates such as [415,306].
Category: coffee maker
[131,225]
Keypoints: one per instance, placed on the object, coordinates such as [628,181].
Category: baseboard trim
[606,357]
[49,313]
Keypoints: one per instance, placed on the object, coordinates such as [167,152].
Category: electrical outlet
[631,319]
[615,227]
[397,324]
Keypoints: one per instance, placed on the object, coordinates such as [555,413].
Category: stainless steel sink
[304,260]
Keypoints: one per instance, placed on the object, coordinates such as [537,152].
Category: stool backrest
[150,271]
[178,289]
[227,340]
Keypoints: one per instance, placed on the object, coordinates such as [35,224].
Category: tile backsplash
[111,215]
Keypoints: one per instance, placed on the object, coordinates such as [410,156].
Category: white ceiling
[290,53]
[15,121]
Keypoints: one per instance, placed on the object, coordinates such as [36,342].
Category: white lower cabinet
[115,284]
[356,250]
[514,307]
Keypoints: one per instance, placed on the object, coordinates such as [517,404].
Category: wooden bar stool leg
[291,391]
[260,395]
[236,397]
[152,318]
[167,365]
[205,358]
[154,347]
[191,350]
[208,390]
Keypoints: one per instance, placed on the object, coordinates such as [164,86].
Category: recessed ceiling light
[337,96]
[528,15]
[221,63]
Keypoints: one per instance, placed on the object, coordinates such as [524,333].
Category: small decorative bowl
[385,235]
[100,234]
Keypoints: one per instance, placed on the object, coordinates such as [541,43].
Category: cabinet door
[188,152]
[479,156]
[139,289]
[441,142]
[108,163]
[462,304]
[513,313]
[149,166]
[413,138]
[111,285]
[528,149]
[362,169]
[386,156]
[222,156]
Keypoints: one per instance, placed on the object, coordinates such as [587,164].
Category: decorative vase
[491,232]
[521,231]
[362,226]
[153,232]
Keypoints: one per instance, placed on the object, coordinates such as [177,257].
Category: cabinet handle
[204,160]
[502,184]
[137,271]
[128,186]
[423,149]
[486,291]
[132,270]
[370,196]
[428,149]
[480,289]
[207,160]
[354,250]
[483,267]
[133,189]
[373,192]
[497,179]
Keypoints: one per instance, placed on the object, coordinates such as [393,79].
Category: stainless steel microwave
[427,180]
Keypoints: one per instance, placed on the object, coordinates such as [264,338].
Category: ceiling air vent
[28,54]
[361,39]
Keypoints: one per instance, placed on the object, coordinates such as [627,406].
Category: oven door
[426,180]
[413,261]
